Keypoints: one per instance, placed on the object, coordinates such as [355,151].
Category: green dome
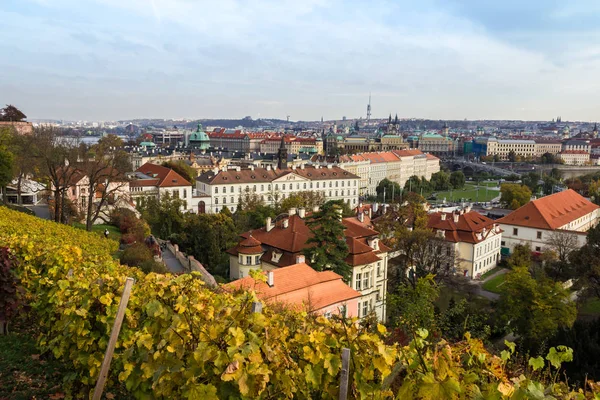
[200,137]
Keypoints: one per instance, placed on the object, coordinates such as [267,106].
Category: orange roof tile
[550,212]
[167,177]
[299,285]
[465,230]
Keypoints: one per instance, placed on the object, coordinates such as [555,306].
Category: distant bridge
[568,171]
[470,168]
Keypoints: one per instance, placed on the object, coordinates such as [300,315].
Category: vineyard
[182,339]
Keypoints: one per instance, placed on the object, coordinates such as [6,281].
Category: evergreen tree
[329,249]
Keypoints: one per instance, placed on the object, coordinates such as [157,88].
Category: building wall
[575,159]
[543,148]
[272,192]
[375,292]
[502,148]
[22,128]
[525,235]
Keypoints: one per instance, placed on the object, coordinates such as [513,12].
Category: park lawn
[468,192]
[491,272]
[448,293]
[494,284]
[114,232]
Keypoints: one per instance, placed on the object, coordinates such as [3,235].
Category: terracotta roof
[550,212]
[299,285]
[249,246]
[467,228]
[574,152]
[408,152]
[144,182]
[166,176]
[291,241]
[263,175]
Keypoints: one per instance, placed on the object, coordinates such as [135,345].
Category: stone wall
[22,128]
[191,264]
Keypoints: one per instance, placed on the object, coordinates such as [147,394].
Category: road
[41,211]
[484,293]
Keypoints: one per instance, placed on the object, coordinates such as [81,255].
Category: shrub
[136,254]
[8,289]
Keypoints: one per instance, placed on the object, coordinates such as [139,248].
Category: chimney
[238,169]
[370,212]
[251,167]
[300,259]
[302,166]
[268,167]
[291,211]
[293,167]
[375,207]
[302,212]
[270,279]
[269,225]
[286,223]
[361,216]
[329,166]
[316,209]
[455,216]
[443,216]
[360,205]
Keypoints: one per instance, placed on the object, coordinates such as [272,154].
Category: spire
[396,119]
[390,119]
[595,127]
[282,144]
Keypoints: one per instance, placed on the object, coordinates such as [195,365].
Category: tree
[548,184]
[512,156]
[104,165]
[249,200]
[12,114]
[531,180]
[6,160]
[587,263]
[55,160]
[521,256]
[164,217]
[23,167]
[462,317]
[388,191]
[440,181]
[411,307]
[417,185]
[182,169]
[422,253]
[548,158]
[457,179]
[207,237]
[514,195]
[327,248]
[561,244]
[252,219]
[305,199]
[534,309]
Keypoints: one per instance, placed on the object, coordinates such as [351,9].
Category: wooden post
[257,307]
[114,334]
[345,373]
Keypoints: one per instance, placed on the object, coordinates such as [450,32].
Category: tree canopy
[11,113]
[327,248]
[514,195]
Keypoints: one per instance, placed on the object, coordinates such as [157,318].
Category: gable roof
[166,176]
[299,285]
[467,229]
[291,241]
[550,212]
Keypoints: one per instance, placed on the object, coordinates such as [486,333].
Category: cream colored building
[547,146]
[574,157]
[502,148]
[473,239]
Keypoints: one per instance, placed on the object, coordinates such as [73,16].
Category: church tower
[282,155]
[595,131]
[445,129]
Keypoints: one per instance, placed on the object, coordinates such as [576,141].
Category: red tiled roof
[299,285]
[291,241]
[574,152]
[166,176]
[465,230]
[550,212]
[249,246]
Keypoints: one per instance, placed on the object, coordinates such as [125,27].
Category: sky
[442,59]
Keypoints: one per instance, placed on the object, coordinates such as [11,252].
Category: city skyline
[128,59]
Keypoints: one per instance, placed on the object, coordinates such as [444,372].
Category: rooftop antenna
[288,118]
[369,108]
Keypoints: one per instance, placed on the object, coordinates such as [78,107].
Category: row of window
[284,186]
[364,308]
[483,264]
[488,247]
[364,280]
[247,260]
[270,198]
